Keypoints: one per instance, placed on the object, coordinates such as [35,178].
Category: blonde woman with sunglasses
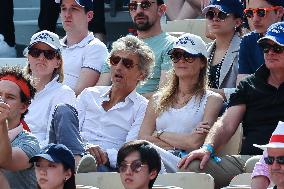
[45,116]
[224,22]
[179,116]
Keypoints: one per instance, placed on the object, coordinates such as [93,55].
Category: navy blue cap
[226,6]
[87,4]
[274,33]
[57,153]
[276,2]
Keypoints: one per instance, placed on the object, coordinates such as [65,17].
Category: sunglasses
[261,12]
[270,160]
[48,54]
[144,5]
[177,55]
[128,63]
[275,48]
[135,166]
[220,15]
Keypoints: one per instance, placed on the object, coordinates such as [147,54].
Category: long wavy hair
[169,92]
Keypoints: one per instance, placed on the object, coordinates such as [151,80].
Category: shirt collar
[262,73]
[82,43]
[131,96]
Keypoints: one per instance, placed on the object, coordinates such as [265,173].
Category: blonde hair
[56,72]
[168,93]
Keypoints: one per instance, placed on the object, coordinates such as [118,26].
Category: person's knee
[194,166]
[64,109]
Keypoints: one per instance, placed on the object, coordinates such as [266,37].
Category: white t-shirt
[42,107]
[89,53]
[185,119]
[109,129]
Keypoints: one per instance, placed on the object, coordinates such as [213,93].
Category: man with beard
[146,16]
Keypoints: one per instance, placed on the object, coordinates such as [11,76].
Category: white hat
[277,138]
[191,43]
[46,37]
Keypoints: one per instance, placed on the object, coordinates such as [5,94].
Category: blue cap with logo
[274,33]
[57,153]
[88,4]
[226,6]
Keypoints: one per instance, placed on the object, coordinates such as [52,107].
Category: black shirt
[264,108]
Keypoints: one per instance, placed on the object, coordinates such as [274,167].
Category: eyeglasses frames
[128,63]
[133,5]
[270,160]
[261,12]
[135,166]
[275,48]
[210,15]
[48,54]
[177,55]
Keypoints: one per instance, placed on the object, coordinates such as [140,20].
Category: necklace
[183,100]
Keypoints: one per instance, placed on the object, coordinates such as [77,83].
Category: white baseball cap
[277,138]
[192,44]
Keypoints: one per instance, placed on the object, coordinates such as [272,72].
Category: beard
[142,26]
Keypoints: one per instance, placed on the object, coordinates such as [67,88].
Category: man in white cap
[275,156]
[83,54]
[258,103]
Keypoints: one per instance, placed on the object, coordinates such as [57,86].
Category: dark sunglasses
[128,63]
[220,15]
[144,5]
[177,55]
[275,48]
[135,166]
[270,160]
[261,12]
[48,54]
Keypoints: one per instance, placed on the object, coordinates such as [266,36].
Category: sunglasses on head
[275,48]
[128,63]
[177,55]
[135,166]
[144,5]
[261,12]
[48,54]
[270,160]
[220,15]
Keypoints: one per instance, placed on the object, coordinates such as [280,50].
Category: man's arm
[87,78]
[220,134]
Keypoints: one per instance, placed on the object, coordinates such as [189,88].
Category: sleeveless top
[185,119]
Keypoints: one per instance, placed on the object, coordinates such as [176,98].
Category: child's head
[55,167]
[139,164]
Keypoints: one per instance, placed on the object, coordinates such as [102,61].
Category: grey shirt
[24,179]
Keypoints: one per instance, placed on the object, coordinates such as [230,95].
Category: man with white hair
[275,156]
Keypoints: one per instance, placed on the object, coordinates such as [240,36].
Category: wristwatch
[159,133]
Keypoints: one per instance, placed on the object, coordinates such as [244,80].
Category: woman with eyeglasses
[45,65]
[224,22]
[179,116]
[138,164]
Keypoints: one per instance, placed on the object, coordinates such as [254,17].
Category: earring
[65,179]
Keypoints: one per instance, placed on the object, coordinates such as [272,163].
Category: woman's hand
[202,128]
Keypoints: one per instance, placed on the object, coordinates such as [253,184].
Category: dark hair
[19,74]
[160,2]
[70,183]
[148,155]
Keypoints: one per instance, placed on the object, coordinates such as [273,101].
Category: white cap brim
[270,145]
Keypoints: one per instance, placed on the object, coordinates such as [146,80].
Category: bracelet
[159,133]
[210,148]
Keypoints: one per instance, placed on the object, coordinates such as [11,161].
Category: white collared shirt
[42,107]
[89,53]
[109,129]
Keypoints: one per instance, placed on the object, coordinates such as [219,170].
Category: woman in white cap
[224,22]
[45,65]
[55,167]
[179,116]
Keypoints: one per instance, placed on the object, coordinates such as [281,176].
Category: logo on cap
[184,41]
[43,36]
[277,29]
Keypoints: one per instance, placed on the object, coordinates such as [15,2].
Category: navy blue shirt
[250,55]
